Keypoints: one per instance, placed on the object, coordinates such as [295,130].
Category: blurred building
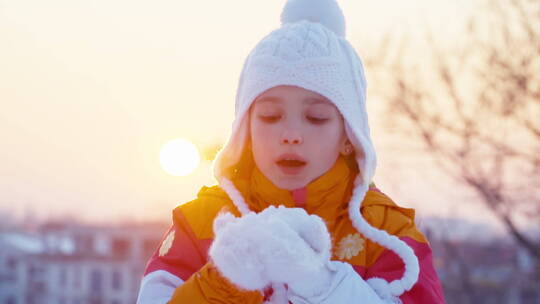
[71,264]
[488,271]
[61,263]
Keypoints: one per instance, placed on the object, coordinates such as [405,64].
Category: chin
[291,183]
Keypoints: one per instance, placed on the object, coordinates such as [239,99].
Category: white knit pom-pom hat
[310,51]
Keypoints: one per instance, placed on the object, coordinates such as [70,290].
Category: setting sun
[179,157]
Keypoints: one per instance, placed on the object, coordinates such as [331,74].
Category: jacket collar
[327,196]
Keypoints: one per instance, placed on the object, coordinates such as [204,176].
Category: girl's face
[296,135]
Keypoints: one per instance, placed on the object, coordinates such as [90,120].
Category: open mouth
[291,164]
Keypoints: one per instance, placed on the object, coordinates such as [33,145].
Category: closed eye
[317,120]
[269,119]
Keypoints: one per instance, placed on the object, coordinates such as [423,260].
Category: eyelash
[314,120]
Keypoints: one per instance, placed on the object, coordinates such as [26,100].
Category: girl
[296,217]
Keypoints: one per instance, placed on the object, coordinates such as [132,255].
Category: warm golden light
[179,157]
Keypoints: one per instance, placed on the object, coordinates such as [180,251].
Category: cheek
[263,139]
[330,135]
[327,147]
[263,134]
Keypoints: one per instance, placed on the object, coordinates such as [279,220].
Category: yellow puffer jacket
[183,252]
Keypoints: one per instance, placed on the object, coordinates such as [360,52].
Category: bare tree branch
[470,136]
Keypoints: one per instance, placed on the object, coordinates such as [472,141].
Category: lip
[291,156]
[288,170]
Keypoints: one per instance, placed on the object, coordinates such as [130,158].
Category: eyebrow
[309,100]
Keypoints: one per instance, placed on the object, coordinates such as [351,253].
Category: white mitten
[346,286]
[277,245]
[235,250]
[299,250]
[308,271]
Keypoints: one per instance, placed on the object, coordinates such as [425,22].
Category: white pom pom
[325,12]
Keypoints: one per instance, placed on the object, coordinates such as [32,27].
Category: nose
[291,137]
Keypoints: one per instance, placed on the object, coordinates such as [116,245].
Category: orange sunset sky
[91,90]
